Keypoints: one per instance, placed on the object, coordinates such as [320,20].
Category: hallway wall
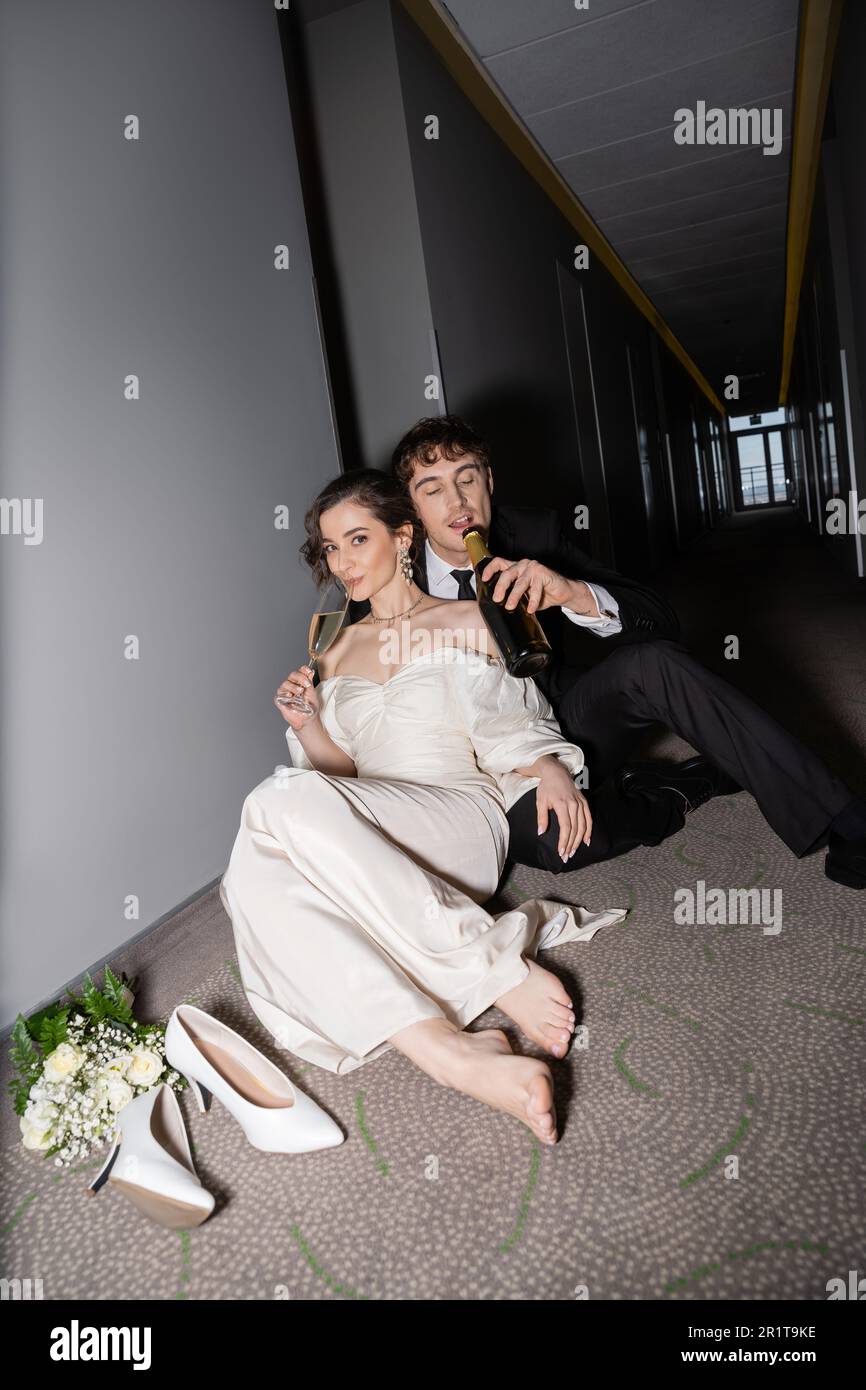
[372,221]
[123,779]
[826,397]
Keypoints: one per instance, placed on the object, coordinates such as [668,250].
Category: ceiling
[700,227]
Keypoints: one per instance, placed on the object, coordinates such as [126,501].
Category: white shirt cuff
[607,622]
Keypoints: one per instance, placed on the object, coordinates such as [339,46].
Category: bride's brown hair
[375,491]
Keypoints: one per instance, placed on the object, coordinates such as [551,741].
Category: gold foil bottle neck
[475,545]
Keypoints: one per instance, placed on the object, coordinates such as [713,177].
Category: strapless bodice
[450,717]
[410,728]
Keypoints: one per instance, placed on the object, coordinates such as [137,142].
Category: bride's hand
[298,683]
[556,792]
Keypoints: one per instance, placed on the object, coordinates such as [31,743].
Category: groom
[646,676]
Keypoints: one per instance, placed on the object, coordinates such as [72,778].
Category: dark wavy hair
[370,488]
[445,435]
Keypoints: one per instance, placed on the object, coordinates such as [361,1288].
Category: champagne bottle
[517,633]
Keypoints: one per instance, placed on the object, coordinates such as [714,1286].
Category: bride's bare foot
[483,1066]
[541,1008]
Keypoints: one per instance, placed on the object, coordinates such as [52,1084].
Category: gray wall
[152,257]
[372,221]
[847,97]
[844,158]
[832,313]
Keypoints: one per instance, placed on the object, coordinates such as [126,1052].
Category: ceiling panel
[657,151]
[735,229]
[720,173]
[719,272]
[700,207]
[502,24]
[603,55]
[734,78]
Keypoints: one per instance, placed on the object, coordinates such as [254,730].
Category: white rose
[37,1124]
[145,1067]
[62,1062]
[118,1065]
[33,1138]
[118,1091]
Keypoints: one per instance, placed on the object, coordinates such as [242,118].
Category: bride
[357,876]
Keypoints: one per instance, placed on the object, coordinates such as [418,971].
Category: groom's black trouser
[606,710]
[619,823]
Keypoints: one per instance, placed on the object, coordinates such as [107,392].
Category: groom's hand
[544,588]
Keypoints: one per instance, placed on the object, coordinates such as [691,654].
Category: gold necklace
[393,615]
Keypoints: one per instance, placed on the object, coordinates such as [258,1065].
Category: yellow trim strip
[819,30]
[475,82]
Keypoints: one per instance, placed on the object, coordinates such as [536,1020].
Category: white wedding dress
[355,901]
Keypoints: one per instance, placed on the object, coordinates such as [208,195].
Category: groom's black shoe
[846,847]
[697,780]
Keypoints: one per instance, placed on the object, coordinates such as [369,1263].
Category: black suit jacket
[536,533]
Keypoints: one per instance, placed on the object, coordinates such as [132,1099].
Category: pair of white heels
[150,1159]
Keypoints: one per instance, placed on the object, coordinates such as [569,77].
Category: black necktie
[464,579]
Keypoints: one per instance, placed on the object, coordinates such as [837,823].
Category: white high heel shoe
[274,1115]
[155,1169]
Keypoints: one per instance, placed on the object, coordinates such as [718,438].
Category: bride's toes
[546,1127]
[558,993]
[556,1038]
[565,1017]
[539,1108]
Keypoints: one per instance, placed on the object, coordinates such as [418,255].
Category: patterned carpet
[705,1044]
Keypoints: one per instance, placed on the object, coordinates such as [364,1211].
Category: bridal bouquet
[79,1063]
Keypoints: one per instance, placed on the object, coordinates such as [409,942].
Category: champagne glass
[325,626]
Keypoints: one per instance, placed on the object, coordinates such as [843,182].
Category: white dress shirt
[442,584]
